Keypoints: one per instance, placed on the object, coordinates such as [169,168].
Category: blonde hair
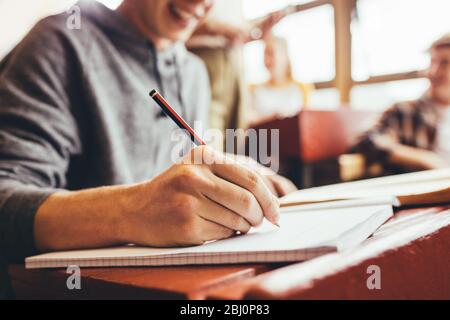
[283,44]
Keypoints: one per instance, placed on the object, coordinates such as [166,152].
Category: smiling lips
[185,17]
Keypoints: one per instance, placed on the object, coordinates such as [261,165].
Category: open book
[302,235]
[420,188]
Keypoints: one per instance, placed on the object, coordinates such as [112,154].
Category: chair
[315,137]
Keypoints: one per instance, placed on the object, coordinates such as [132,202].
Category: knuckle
[253,180]
[187,176]
[251,209]
[214,186]
[246,200]
[182,175]
[185,205]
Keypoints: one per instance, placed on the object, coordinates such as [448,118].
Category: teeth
[200,12]
[185,15]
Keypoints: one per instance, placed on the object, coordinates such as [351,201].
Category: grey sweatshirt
[75,113]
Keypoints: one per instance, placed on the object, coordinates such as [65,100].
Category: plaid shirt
[412,123]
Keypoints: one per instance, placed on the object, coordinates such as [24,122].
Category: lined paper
[302,235]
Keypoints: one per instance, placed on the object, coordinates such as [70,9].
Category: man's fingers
[217,213]
[281,185]
[213,231]
[269,183]
[251,181]
[232,197]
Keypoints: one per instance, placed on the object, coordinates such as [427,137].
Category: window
[257,8]
[324,99]
[310,36]
[392,36]
[382,95]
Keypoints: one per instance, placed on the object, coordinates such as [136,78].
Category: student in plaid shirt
[415,135]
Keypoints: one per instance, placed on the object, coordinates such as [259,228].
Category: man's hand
[263,27]
[206,196]
[193,203]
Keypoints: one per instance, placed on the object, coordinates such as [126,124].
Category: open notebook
[302,235]
[420,188]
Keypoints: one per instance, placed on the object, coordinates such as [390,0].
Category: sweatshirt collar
[115,25]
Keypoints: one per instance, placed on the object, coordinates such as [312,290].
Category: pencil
[181,123]
[172,114]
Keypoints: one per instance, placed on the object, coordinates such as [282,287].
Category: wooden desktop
[411,250]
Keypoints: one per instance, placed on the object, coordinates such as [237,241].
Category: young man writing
[75,115]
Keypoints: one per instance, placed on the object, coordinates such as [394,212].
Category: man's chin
[441,94]
[180,36]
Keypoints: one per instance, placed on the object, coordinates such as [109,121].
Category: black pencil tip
[153,92]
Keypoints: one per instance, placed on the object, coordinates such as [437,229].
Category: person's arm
[382,144]
[407,156]
[388,125]
[188,204]
[213,33]
[261,28]
[38,134]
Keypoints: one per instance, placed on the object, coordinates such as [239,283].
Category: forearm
[82,219]
[414,158]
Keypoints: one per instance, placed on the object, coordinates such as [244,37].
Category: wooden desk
[412,251]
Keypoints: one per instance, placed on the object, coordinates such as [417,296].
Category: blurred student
[218,41]
[415,135]
[281,95]
[86,157]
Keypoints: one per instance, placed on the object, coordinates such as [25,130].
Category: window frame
[343,81]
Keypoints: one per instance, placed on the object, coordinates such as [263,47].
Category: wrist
[128,204]
[121,213]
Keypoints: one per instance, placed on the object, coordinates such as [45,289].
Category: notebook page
[303,230]
[300,230]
